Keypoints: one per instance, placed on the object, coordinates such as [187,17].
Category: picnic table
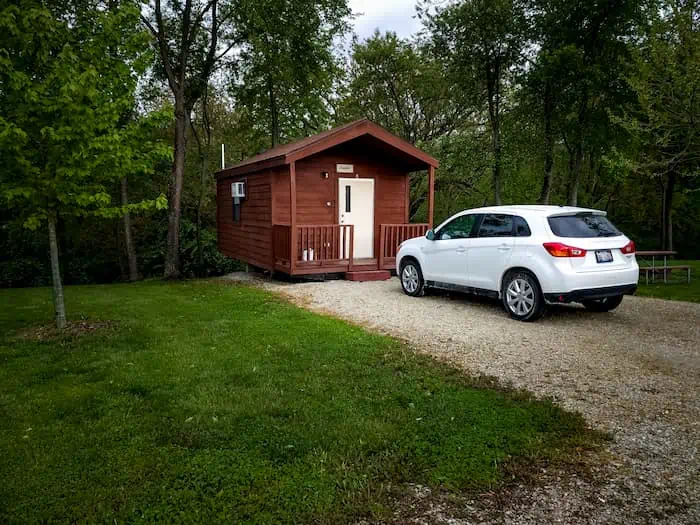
[665,269]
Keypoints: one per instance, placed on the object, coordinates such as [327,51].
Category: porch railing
[392,235]
[325,244]
[319,245]
[332,244]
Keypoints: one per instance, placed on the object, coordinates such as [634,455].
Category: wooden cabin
[335,202]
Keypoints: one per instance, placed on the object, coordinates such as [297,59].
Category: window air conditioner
[238,190]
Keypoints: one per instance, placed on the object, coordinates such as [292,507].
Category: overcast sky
[387,15]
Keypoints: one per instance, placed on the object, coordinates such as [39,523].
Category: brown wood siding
[280,196]
[314,192]
[249,240]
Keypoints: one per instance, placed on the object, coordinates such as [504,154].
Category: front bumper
[576,296]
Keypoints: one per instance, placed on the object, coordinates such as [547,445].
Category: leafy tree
[61,98]
[141,150]
[578,71]
[665,119]
[541,103]
[483,42]
[402,87]
[215,121]
[192,38]
[287,65]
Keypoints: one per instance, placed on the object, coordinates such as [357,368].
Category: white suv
[526,255]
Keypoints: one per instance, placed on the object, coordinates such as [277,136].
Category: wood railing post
[382,242]
[292,217]
[431,194]
[352,247]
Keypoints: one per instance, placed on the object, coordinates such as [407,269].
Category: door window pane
[496,226]
[347,199]
[459,228]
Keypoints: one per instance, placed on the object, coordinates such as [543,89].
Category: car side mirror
[430,235]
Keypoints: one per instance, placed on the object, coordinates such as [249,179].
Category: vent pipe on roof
[223,151]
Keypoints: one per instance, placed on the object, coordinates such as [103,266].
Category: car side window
[458,228]
[522,229]
[495,225]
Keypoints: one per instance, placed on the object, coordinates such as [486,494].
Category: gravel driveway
[634,372]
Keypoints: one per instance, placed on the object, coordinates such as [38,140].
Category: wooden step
[369,275]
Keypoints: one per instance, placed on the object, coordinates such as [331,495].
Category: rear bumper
[576,296]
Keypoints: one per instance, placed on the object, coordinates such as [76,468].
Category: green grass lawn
[209,402]
[678,289]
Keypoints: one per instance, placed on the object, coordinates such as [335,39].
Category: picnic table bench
[665,269]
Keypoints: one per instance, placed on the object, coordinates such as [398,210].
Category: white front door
[356,207]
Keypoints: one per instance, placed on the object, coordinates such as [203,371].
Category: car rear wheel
[603,305]
[522,297]
[412,278]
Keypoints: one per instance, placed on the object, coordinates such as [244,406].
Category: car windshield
[582,225]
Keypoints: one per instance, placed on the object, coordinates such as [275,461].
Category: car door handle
[461,249]
[504,248]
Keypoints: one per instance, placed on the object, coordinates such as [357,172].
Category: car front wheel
[522,297]
[603,305]
[412,278]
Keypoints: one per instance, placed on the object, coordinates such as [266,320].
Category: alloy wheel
[520,297]
[409,278]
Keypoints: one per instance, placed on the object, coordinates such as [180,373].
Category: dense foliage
[522,101]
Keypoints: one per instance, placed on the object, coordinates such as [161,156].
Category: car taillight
[629,248]
[557,249]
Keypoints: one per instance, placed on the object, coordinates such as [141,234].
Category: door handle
[504,247]
[461,249]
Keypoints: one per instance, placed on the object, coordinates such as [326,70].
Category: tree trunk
[172,257]
[494,119]
[575,178]
[274,113]
[668,212]
[548,145]
[58,305]
[575,174]
[128,240]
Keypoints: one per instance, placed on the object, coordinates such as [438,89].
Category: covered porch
[329,248]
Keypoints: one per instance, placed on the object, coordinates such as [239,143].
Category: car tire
[522,296]
[605,304]
[411,278]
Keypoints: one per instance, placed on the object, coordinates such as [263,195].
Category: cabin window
[347,199]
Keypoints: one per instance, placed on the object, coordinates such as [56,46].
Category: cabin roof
[363,128]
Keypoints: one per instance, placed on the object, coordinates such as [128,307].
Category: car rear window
[582,225]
